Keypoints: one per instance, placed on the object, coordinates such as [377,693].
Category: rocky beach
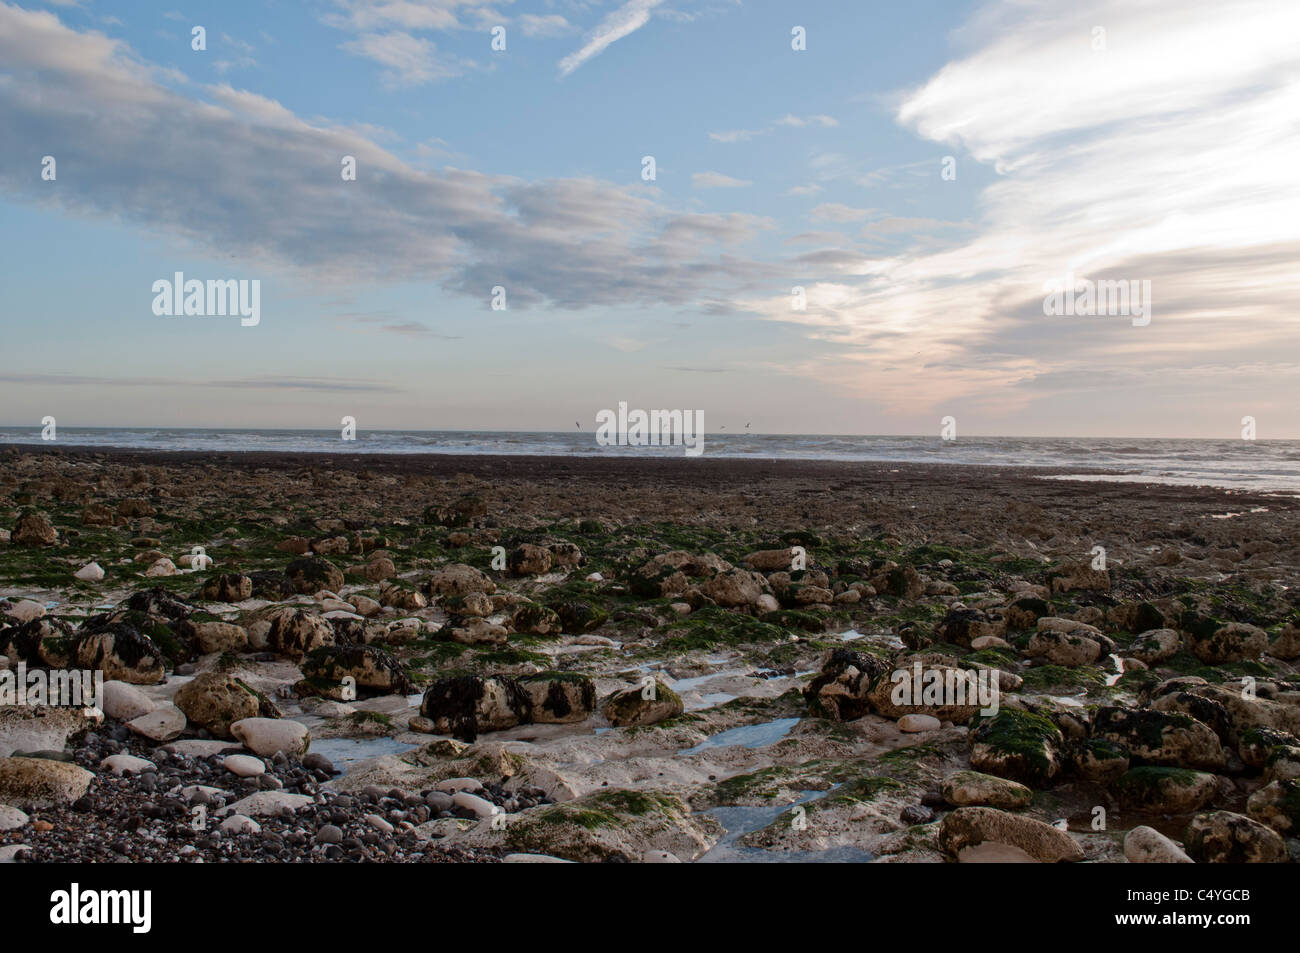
[436,658]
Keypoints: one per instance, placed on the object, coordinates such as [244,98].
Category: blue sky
[1166,154]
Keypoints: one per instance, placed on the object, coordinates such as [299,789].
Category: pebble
[124,701]
[452,785]
[269,736]
[121,764]
[240,824]
[91,572]
[162,724]
[918,723]
[244,766]
[472,802]
[329,834]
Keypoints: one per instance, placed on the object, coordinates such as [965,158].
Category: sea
[1258,465]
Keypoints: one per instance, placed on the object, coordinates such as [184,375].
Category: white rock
[121,764]
[267,736]
[162,724]
[7,853]
[244,766]
[162,567]
[452,785]
[269,804]
[199,748]
[767,603]
[328,708]
[91,572]
[533,859]
[472,802]
[337,605]
[240,824]
[124,701]
[190,790]
[916,723]
[24,610]
[659,857]
[340,614]
[595,577]
[379,824]
[11,818]
[1146,845]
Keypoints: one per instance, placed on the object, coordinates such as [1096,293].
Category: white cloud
[230,170]
[407,60]
[1169,157]
[836,212]
[825,122]
[736,135]
[627,19]
[544,26]
[716,180]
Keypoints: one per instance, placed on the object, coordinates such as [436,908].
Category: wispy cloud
[407,60]
[1088,184]
[548,25]
[716,180]
[627,19]
[788,120]
[272,193]
[799,122]
[836,212]
[384,324]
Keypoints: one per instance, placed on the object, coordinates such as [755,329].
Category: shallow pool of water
[750,736]
[345,752]
[739,821]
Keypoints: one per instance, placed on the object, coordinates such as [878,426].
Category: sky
[924,172]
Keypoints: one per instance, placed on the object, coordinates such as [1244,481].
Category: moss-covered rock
[1099,760]
[532,619]
[1277,804]
[122,653]
[314,573]
[968,828]
[295,632]
[840,689]
[971,788]
[369,667]
[615,825]
[1160,738]
[643,705]
[1222,837]
[1235,642]
[467,705]
[1018,745]
[215,701]
[559,697]
[578,617]
[1165,790]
